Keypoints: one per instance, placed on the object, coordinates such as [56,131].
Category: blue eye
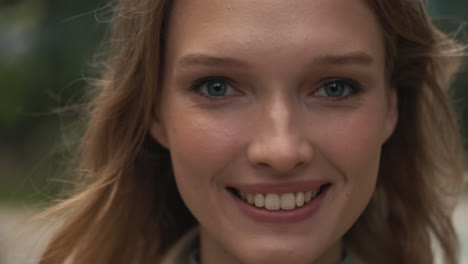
[338,89]
[213,88]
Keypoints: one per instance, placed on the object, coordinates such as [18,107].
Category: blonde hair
[126,208]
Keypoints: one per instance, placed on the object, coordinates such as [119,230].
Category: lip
[262,215]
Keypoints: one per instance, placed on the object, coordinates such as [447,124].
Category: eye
[213,88]
[338,89]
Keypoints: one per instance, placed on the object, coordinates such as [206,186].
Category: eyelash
[356,88]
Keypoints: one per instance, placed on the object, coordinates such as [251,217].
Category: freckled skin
[272,128]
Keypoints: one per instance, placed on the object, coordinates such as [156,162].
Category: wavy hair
[126,207]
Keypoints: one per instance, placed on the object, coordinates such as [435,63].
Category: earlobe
[158,132]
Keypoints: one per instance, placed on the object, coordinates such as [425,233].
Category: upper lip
[284,187]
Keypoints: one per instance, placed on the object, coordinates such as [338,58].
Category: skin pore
[270,93]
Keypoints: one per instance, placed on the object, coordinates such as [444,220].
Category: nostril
[280,159]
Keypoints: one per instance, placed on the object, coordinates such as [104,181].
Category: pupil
[216,88]
[335,90]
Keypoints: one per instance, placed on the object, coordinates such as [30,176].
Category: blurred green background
[47,47]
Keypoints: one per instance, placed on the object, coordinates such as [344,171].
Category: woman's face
[274,113]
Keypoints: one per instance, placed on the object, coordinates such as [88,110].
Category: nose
[278,141]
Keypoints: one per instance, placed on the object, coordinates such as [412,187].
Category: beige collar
[179,252]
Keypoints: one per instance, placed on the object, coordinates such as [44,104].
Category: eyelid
[329,80]
[201,81]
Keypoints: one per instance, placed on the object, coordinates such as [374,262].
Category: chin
[282,259]
[278,256]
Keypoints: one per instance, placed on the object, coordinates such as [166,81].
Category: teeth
[299,199]
[307,197]
[259,200]
[288,201]
[274,202]
[250,198]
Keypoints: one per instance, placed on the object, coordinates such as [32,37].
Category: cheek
[356,148]
[352,148]
[352,141]
[202,145]
[202,148]
[197,140]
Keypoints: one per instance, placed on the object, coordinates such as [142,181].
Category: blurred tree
[46,47]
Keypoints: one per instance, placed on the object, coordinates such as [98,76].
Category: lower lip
[280,216]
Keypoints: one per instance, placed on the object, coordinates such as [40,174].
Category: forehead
[273,28]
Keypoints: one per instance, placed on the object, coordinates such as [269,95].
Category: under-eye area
[280,201]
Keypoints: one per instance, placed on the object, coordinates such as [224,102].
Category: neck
[212,252]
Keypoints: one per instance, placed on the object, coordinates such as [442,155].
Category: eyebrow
[200,59]
[207,60]
[352,58]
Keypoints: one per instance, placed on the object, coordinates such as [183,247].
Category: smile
[280,201]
